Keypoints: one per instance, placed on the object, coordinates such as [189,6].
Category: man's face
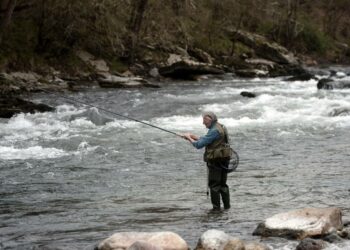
[207,121]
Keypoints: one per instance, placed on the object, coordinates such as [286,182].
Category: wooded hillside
[37,33]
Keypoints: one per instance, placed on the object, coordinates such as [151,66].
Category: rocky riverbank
[265,59]
[315,228]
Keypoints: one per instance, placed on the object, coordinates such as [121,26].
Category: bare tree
[7,6]
[138,9]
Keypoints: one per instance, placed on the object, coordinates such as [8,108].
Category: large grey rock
[213,239]
[162,240]
[302,223]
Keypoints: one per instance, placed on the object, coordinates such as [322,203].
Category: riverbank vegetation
[40,35]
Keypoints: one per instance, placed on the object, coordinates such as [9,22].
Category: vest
[219,148]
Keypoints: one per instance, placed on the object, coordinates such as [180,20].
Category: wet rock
[302,77]
[344,233]
[324,83]
[12,105]
[248,94]
[188,70]
[332,238]
[163,240]
[92,115]
[235,244]
[256,246]
[213,239]
[340,112]
[327,83]
[347,223]
[311,244]
[302,223]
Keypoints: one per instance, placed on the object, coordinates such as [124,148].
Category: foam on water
[36,152]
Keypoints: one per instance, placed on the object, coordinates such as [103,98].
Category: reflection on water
[69,180]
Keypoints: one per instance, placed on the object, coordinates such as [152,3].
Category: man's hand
[189,137]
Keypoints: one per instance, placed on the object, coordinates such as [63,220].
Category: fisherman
[215,139]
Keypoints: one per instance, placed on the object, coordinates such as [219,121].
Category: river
[70,178]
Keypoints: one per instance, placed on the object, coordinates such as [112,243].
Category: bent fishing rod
[108,111]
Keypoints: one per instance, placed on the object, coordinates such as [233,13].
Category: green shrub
[314,40]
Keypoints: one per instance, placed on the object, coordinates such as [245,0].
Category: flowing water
[73,177]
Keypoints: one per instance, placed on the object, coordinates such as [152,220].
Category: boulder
[302,77]
[213,239]
[125,240]
[188,70]
[11,106]
[324,83]
[327,83]
[302,223]
[248,94]
[311,244]
[264,48]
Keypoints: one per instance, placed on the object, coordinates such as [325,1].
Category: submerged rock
[302,223]
[14,105]
[92,115]
[156,240]
[311,244]
[340,112]
[327,83]
[248,94]
[302,77]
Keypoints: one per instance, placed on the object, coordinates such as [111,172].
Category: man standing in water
[215,139]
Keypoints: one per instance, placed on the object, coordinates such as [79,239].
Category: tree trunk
[11,4]
[138,9]
[8,6]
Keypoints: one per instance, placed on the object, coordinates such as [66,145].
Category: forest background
[39,35]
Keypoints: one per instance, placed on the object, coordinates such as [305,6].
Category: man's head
[209,118]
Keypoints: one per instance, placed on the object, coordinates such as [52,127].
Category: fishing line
[111,112]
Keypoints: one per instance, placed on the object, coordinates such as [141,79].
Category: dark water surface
[71,178]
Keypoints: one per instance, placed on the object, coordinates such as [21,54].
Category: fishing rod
[111,112]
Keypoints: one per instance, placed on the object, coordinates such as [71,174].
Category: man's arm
[200,142]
